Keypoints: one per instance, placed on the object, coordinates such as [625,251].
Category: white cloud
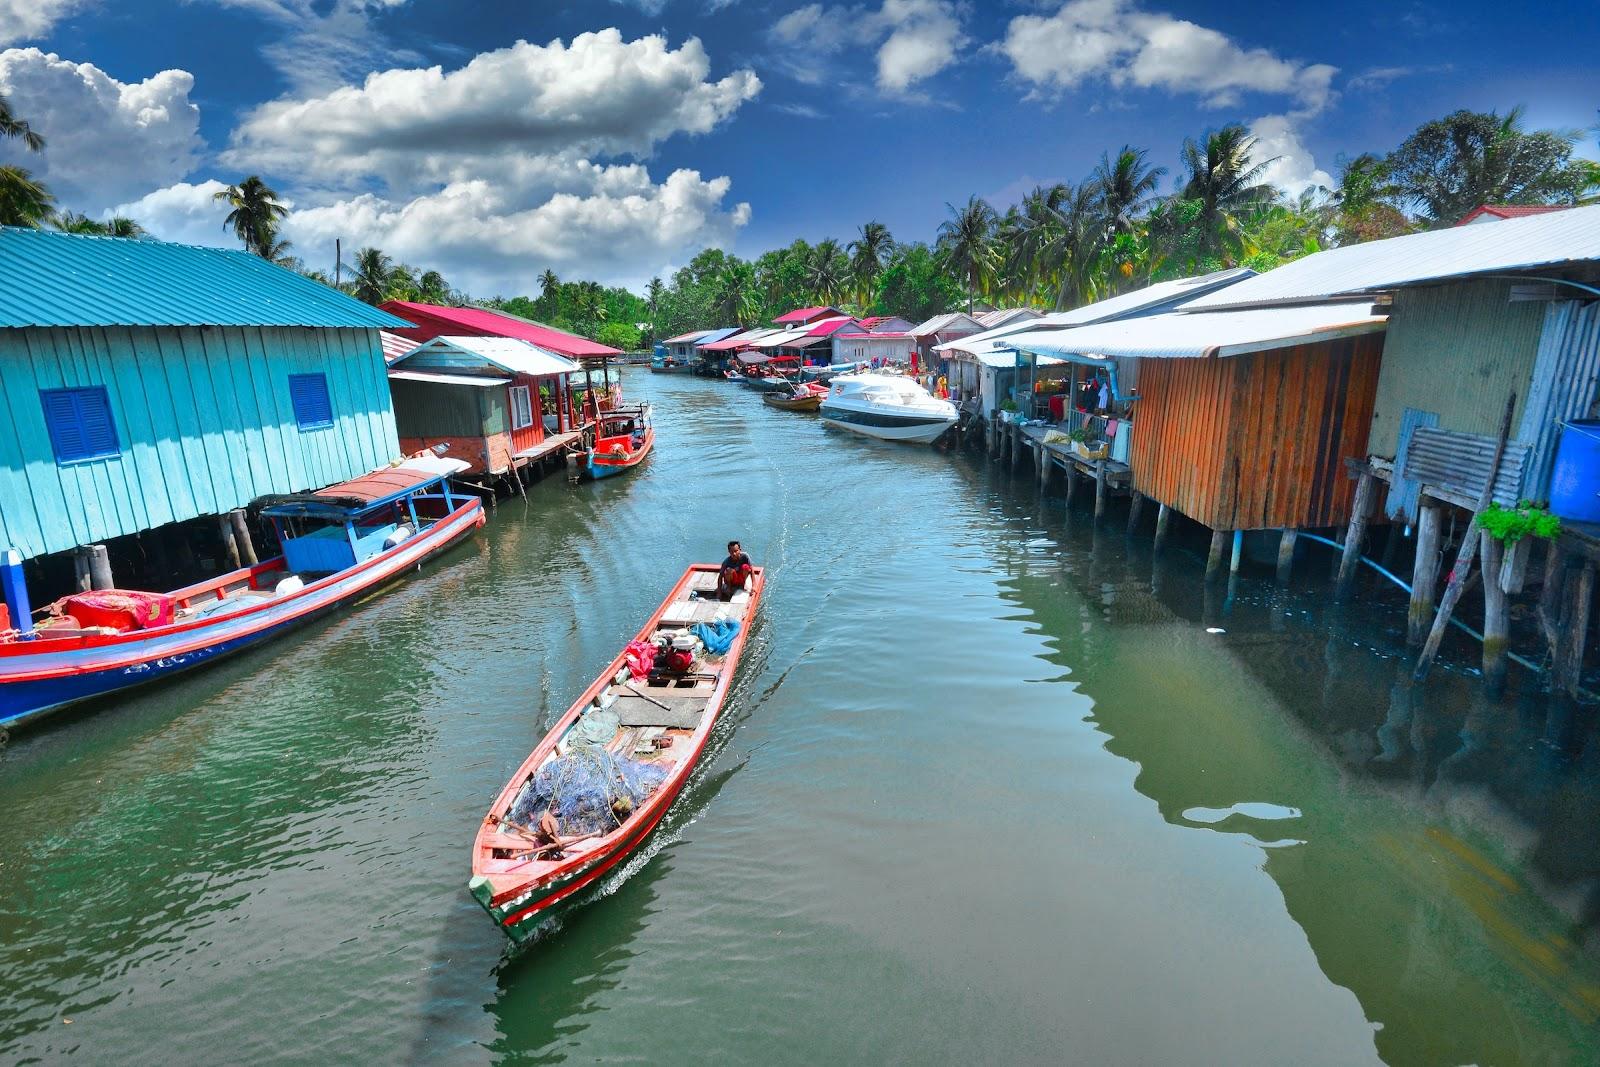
[914,39]
[27,20]
[187,213]
[106,140]
[324,44]
[1294,169]
[598,95]
[1114,40]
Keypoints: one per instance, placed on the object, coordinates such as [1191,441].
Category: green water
[987,791]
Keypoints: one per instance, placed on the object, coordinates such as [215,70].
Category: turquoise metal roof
[61,279]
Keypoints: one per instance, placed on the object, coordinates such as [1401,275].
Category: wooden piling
[1099,489]
[81,580]
[230,546]
[1574,635]
[1016,446]
[1163,521]
[1286,545]
[1424,574]
[1071,474]
[1135,506]
[1496,616]
[1550,597]
[1041,456]
[1219,546]
[1355,534]
[241,537]
[100,568]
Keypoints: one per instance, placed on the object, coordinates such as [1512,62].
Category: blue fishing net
[717,636]
[590,791]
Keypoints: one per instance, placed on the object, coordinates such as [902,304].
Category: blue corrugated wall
[203,417]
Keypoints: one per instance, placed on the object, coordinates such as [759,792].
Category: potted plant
[1514,527]
[1084,444]
[1008,410]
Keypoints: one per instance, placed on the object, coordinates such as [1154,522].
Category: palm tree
[1073,252]
[23,201]
[277,250]
[734,293]
[1225,182]
[1025,233]
[1126,186]
[967,246]
[76,222]
[254,215]
[121,226]
[548,283]
[825,271]
[868,254]
[432,288]
[371,279]
[13,127]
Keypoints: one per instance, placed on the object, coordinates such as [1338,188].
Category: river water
[993,785]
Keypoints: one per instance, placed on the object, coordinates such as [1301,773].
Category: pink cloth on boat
[641,657]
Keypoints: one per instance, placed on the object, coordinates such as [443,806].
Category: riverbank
[989,789]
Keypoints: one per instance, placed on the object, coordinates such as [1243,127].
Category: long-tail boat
[640,722]
[623,437]
[807,397]
[339,543]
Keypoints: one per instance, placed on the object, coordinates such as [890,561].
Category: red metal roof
[804,315]
[828,326]
[1509,211]
[436,320]
[872,320]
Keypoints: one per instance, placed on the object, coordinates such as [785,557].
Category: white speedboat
[887,406]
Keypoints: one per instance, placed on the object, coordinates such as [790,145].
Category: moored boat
[800,398]
[623,438]
[601,780]
[339,543]
[888,407]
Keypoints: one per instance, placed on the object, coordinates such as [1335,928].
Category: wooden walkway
[549,446]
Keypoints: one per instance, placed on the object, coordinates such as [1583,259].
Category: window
[521,408]
[309,394]
[80,424]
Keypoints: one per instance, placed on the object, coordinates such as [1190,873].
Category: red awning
[437,320]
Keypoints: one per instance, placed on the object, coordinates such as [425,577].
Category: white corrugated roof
[481,381]
[1180,335]
[941,323]
[1509,246]
[507,353]
[783,337]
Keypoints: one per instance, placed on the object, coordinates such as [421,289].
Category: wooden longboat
[623,439]
[793,403]
[521,888]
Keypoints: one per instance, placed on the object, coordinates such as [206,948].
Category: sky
[613,139]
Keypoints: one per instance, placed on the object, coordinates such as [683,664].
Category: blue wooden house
[145,383]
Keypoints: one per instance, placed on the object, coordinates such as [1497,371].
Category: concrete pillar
[1163,519]
[1424,574]
[100,568]
[1238,552]
[1286,545]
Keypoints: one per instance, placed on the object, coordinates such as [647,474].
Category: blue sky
[623,136]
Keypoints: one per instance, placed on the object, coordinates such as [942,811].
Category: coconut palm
[868,254]
[1023,236]
[548,284]
[1077,238]
[277,250]
[734,297]
[968,247]
[121,226]
[432,288]
[23,200]
[826,271]
[372,274]
[1225,182]
[254,214]
[13,127]
[1126,186]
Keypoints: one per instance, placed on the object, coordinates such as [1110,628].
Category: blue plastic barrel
[1575,479]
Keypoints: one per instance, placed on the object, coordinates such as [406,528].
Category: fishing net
[589,791]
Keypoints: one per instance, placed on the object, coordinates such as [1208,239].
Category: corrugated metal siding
[1404,493]
[60,279]
[203,416]
[1563,386]
[422,409]
[1460,461]
[1457,350]
[1257,441]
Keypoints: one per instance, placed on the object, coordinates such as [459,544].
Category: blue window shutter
[309,394]
[80,424]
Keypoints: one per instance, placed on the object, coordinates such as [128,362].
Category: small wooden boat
[735,377]
[801,398]
[652,728]
[339,544]
[622,440]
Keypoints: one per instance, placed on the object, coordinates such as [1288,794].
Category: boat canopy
[347,500]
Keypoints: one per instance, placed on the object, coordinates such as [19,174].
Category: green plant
[1008,404]
[1510,525]
[1079,435]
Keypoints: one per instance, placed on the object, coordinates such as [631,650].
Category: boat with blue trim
[339,544]
[623,437]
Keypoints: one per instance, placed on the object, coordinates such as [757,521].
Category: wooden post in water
[1041,456]
[1099,489]
[81,582]
[1574,635]
[1286,543]
[230,547]
[1219,546]
[1163,520]
[1135,506]
[1424,574]
[1550,597]
[1496,616]
[1469,548]
[1016,446]
[1356,534]
[1070,470]
[100,568]
[241,536]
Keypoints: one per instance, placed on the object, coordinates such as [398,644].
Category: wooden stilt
[1356,534]
[1496,616]
[1469,548]
[81,579]
[1016,446]
[1135,506]
[1575,634]
[1550,597]
[100,568]
[1041,456]
[1219,547]
[516,476]
[1163,522]
[1286,543]
[1424,574]
[230,546]
[241,537]
[1099,489]
[1070,472]
[1238,552]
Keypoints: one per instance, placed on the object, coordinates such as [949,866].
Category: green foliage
[1510,525]
[23,200]
[623,335]
[1008,404]
[914,285]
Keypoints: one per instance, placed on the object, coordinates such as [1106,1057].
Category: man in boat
[736,570]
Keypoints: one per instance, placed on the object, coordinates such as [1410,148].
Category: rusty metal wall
[1456,350]
[1258,441]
